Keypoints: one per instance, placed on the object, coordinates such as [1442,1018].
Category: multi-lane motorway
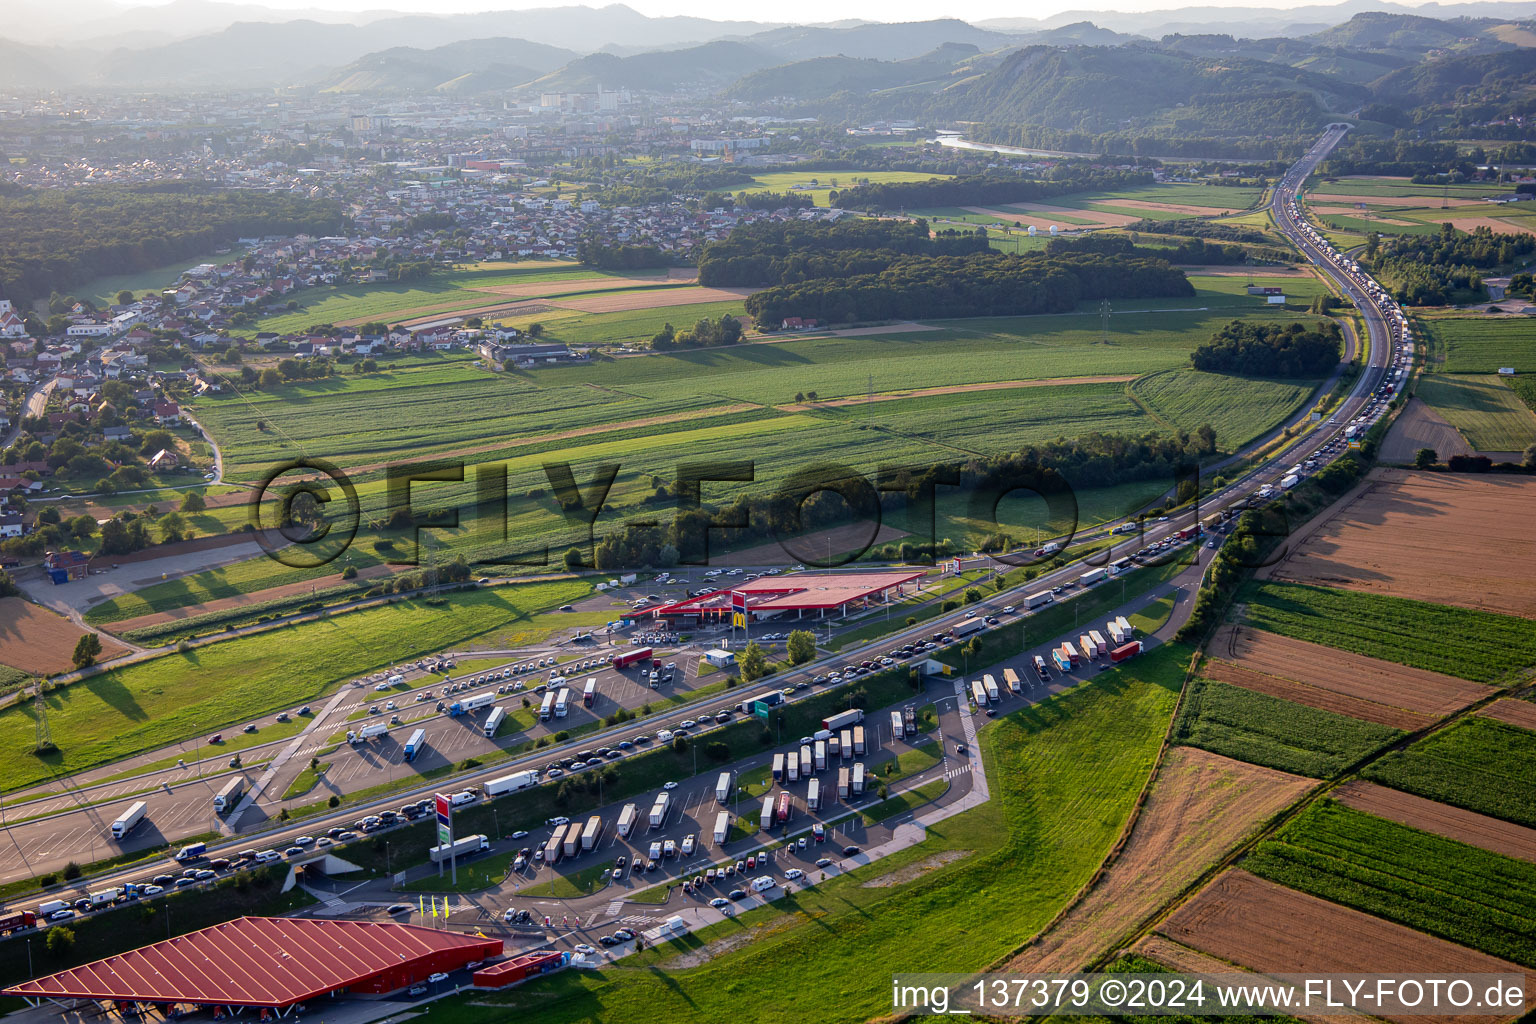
[1365,402]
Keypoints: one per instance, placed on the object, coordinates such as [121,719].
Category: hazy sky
[792,10]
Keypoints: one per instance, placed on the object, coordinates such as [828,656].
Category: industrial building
[796,596]
[275,964]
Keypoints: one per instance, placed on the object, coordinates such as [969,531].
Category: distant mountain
[710,66]
[875,41]
[1403,33]
[23,66]
[1107,89]
[478,65]
[823,76]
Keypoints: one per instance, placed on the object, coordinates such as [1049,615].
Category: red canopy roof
[801,592]
[257,961]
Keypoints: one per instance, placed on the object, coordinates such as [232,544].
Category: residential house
[164,459]
[166,413]
[64,566]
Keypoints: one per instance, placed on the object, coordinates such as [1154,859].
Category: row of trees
[1195,227]
[619,257]
[782,252]
[56,238]
[1191,251]
[1271,350]
[705,333]
[980,284]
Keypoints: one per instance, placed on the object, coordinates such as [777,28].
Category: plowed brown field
[39,641]
[1269,928]
[1340,672]
[1312,696]
[1514,712]
[1200,808]
[1442,819]
[1449,538]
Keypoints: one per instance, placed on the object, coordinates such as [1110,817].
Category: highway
[1323,443]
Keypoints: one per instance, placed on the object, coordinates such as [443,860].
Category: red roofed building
[795,596]
[272,962]
[167,413]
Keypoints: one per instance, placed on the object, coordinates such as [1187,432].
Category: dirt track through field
[1267,927]
[1200,807]
[40,641]
[1513,712]
[956,389]
[1451,538]
[1112,220]
[1324,672]
[1419,426]
[653,298]
[1442,819]
[1184,208]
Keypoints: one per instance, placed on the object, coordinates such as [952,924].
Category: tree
[86,650]
[124,297]
[1529,462]
[801,646]
[972,595]
[1425,458]
[173,527]
[270,378]
[535,330]
[573,560]
[82,527]
[61,941]
[49,515]
[193,502]
[754,663]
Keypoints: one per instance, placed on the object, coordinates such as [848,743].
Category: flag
[421,905]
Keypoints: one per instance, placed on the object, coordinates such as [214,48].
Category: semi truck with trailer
[1070,651]
[723,788]
[1040,671]
[821,755]
[807,763]
[571,846]
[1125,626]
[493,721]
[1098,641]
[1015,684]
[414,745]
[765,822]
[470,705]
[229,794]
[1093,576]
[1085,644]
[979,693]
[1063,663]
[778,767]
[659,809]
[1039,600]
[898,727]
[627,820]
[589,693]
[842,718]
[845,743]
[722,827]
[786,804]
[792,766]
[813,795]
[858,739]
[367,733]
[129,819]
[555,844]
[16,921]
[968,626]
[844,777]
[1124,651]
[511,783]
[993,694]
[547,707]
[592,832]
[858,778]
[909,720]
[459,848]
[562,702]
[638,656]
[190,852]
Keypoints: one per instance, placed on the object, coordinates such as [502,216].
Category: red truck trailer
[17,921]
[1125,651]
[634,657]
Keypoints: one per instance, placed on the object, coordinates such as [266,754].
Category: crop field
[1461,893]
[623,327]
[1336,680]
[1246,407]
[36,641]
[153,702]
[1489,415]
[1426,536]
[1484,344]
[817,184]
[1022,855]
[1256,727]
[1481,646]
[1200,806]
[1397,188]
[1479,763]
[443,293]
[1254,923]
[1455,823]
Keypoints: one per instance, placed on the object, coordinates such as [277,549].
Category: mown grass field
[150,703]
[1395,187]
[1483,344]
[818,184]
[1489,415]
[1437,885]
[1265,730]
[1063,776]
[1479,763]
[1484,647]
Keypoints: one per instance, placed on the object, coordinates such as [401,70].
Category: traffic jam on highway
[685,831]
